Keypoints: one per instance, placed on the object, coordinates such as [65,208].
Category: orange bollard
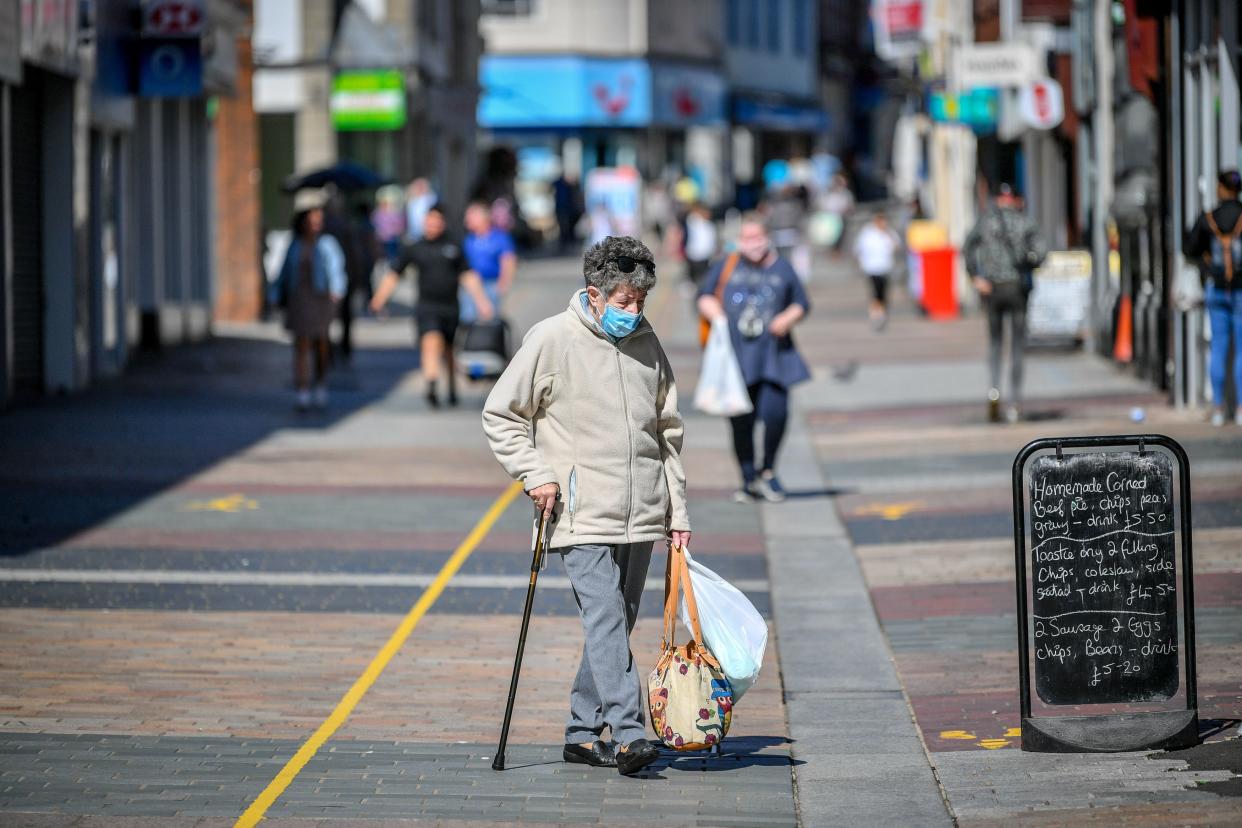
[1123,347]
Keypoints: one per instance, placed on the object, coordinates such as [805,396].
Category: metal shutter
[27,188]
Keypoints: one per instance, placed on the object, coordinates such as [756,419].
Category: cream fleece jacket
[599,418]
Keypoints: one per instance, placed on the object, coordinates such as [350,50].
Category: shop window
[752,24]
[733,22]
[774,25]
[801,26]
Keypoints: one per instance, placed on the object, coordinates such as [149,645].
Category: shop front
[575,114]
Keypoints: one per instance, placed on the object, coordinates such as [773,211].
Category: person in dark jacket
[312,281]
[1000,252]
[762,298]
[1215,242]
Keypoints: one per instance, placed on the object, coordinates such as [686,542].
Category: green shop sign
[368,100]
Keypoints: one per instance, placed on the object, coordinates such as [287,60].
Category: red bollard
[939,294]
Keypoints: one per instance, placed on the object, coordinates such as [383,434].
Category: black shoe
[599,755]
[639,755]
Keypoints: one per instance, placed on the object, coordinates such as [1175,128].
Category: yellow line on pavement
[351,698]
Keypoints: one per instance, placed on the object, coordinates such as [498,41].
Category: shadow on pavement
[68,464]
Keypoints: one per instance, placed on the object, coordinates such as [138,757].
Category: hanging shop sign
[170,67]
[1010,63]
[1041,104]
[898,28]
[977,108]
[368,101]
[172,18]
[49,34]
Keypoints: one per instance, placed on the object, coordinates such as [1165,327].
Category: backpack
[1224,251]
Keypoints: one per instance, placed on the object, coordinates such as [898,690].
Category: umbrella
[344,175]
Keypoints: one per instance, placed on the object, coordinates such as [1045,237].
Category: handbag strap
[726,273]
[676,579]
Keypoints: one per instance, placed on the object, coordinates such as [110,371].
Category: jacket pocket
[572,506]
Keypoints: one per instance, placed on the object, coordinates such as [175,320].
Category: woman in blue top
[311,283]
[763,298]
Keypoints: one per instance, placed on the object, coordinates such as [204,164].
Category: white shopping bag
[721,389]
[733,629]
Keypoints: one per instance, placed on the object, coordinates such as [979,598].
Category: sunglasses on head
[627,264]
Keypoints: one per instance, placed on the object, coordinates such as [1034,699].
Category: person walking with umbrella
[586,417]
[311,282]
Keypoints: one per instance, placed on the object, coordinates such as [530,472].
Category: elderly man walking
[586,417]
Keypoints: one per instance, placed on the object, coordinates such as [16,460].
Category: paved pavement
[193,577]
[922,483]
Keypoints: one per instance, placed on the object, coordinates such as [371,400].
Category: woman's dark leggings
[771,402]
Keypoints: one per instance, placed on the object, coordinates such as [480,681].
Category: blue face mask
[618,323]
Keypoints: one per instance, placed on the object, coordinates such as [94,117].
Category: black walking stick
[498,764]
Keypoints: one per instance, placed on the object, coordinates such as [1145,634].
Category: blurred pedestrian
[490,252]
[442,273]
[588,408]
[702,243]
[419,198]
[786,221]
[356,240]
[311,281]
[1215,242]
[658,208]
[876,248]
[838,201]
[568,205]
[762,297]
[1000,253]
[388,221]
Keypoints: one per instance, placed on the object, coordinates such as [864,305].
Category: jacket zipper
[629,437]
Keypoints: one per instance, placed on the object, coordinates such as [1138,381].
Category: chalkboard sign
[1103,578]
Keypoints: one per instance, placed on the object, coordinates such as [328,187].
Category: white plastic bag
[721,390]
[733,629]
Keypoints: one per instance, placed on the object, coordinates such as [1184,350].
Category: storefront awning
[778,116]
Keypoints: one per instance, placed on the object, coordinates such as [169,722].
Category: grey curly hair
[599,265]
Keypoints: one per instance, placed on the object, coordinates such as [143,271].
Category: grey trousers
[1014,308]
[608,584]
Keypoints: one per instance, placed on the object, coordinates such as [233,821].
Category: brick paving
[172,699]
[924,490]
[171,703]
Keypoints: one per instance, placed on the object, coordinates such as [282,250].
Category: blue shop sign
[563,92]
[779,117]
[170,67]
[688,96]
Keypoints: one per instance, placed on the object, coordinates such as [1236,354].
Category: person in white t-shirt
[701,243]
[876,248]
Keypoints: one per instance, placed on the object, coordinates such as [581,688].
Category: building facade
[319,62]
[106,153]
[608,83]
[707,89]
